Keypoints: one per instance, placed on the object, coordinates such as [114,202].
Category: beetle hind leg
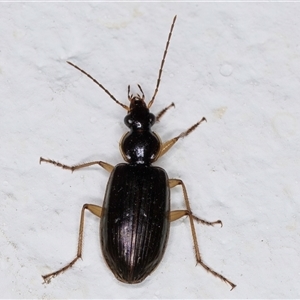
[177,214]
[96,210]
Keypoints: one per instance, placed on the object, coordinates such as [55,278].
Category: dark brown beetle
[136,216]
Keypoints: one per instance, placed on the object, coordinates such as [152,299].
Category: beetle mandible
[136,216]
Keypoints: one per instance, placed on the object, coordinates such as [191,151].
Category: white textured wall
[236,64]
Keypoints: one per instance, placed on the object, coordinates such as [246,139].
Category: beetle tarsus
[207,222]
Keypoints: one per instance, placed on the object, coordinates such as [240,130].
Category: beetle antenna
[100,85]
[162,63]
[128,92]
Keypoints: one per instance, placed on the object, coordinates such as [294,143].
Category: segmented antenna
[162,63]
[99,84]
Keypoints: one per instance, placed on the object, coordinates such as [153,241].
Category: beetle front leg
[102,164]
[168,144]
[96,210]
[162,112]
[175,215]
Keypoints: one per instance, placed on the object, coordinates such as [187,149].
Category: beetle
[135,216]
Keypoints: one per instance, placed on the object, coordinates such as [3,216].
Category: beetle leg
[96,210]
[177,214]
[180,213]
[102,164]
[162,112]
[168,144]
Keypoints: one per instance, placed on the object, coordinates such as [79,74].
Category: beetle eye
[151,119]
[128,120]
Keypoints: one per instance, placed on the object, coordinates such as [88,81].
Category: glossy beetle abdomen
[135,221]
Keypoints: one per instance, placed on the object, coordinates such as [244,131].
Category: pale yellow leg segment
[102,164]
[175,215]
[96,210]
[167,145]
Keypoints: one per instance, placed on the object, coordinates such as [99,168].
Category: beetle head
[139,116]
